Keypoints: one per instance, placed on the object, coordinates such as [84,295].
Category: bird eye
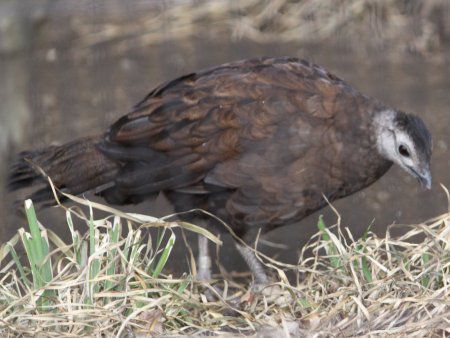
[403,151]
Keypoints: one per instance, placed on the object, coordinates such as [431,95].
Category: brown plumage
[258,142]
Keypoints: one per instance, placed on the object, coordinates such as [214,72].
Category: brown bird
[260,143]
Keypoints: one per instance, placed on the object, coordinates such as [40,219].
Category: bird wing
[240,126]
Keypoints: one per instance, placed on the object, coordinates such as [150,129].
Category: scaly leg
[257,269]
[261,285]
[203,259]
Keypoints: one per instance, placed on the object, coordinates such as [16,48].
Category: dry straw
[360,25]
[111,282]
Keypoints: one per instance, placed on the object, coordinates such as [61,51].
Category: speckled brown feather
[259,142]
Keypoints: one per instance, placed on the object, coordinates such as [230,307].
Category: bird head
[405,140]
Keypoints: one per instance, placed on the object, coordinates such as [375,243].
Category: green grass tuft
[110,282]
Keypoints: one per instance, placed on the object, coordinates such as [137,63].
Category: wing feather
[239,127]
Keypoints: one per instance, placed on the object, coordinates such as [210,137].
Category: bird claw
[272,292]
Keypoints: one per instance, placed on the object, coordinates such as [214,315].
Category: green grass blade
[16,259]
[114,234]
[366,269]
[95,263]
[164,256]
[4,249]
[36,240]
[46,267]
[323,228]
[183,285]
[330,248]
[425,259]
[76,240]
[160,236]
[26,241]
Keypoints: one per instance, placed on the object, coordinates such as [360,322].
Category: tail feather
[22,174]
[75,167]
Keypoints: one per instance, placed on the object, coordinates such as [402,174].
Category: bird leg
[261,285]
[257,269]
[204,267]
[203,259]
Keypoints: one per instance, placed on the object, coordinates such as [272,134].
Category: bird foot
[203,275]
[272,292]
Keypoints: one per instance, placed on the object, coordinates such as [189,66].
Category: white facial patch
[386,145]
[384,128]
[390,139]
[394,132]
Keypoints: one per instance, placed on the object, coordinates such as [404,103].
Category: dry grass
[104,283]
[361,25]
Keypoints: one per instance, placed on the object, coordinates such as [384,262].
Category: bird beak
[424,178]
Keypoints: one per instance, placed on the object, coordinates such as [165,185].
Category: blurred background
[71,68]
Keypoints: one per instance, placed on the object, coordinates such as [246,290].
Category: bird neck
[382,127]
